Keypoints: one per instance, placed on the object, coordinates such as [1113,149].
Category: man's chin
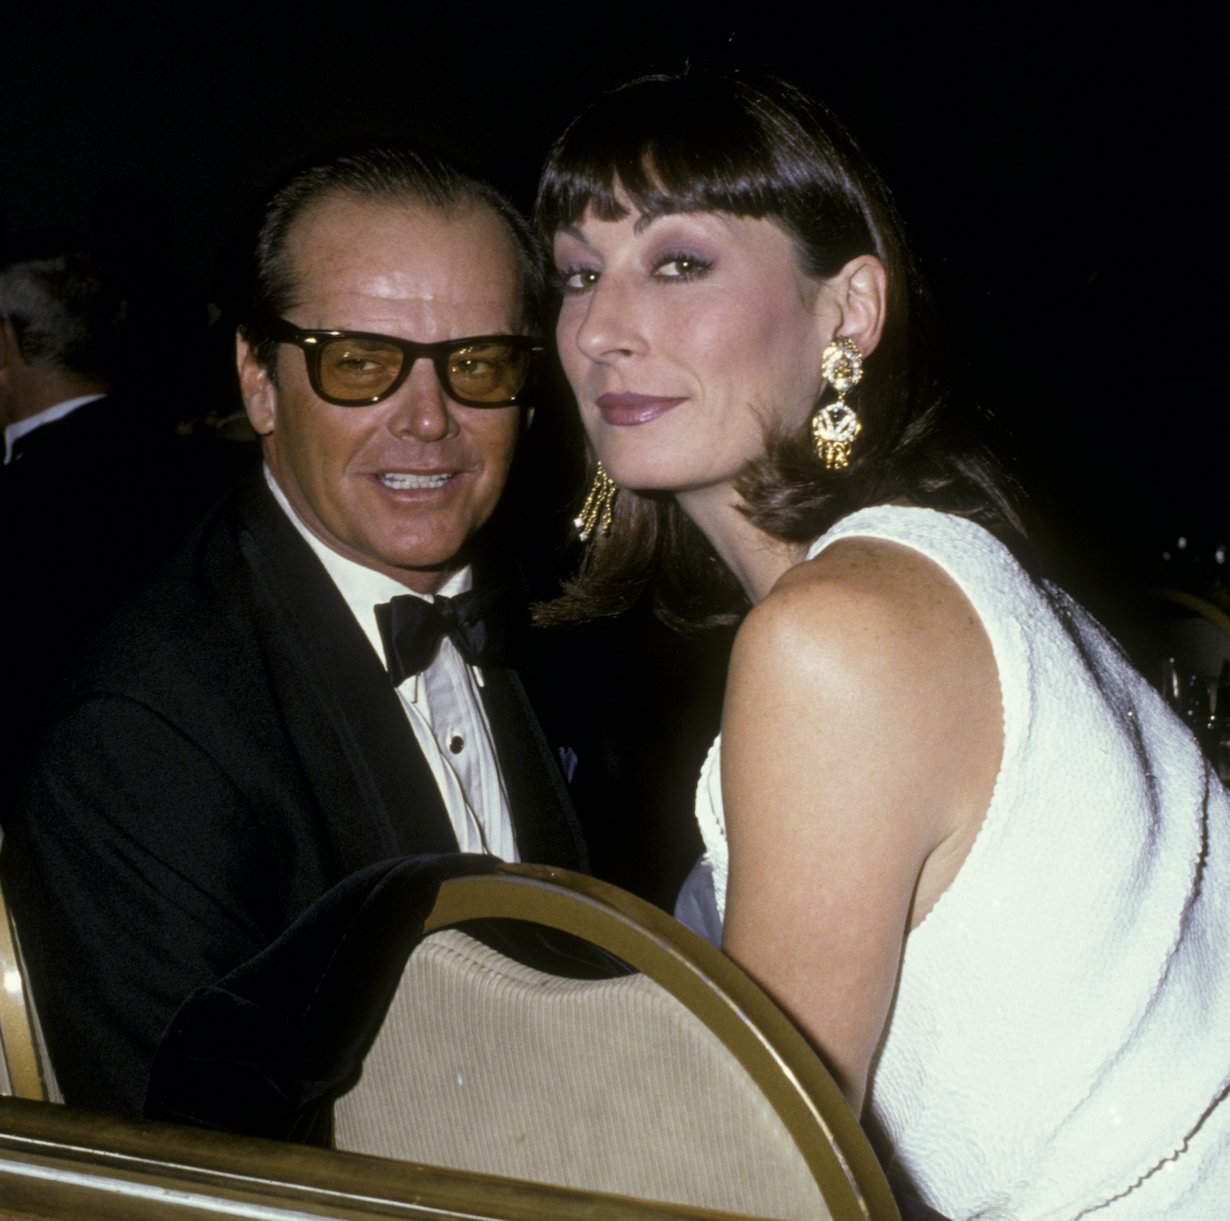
[423,567]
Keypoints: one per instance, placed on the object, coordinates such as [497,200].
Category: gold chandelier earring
[595,514]
[835,428]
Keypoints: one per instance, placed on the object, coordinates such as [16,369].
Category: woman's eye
[576,279]
[681,267]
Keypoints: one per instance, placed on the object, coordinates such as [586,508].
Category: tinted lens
[358,369]
[487,372]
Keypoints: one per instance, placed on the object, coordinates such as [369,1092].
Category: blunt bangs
[703,144]
[757,147]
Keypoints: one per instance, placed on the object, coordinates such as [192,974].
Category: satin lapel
[338,701]
[545,823]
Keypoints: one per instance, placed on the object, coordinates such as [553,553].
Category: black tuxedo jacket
[231,751]
[91,503]
[268,1049]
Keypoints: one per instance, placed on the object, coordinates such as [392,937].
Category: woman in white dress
[948,827]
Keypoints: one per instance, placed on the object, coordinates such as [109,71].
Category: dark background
[1061,174]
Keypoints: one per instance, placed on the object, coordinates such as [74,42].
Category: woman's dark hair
[755,146]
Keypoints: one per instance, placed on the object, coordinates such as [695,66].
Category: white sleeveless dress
[1059,1043]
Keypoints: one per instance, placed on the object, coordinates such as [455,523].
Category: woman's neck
[756,560]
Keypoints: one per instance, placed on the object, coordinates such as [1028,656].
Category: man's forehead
[396,247]
[403,268]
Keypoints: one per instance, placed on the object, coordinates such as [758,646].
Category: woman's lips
[623,409]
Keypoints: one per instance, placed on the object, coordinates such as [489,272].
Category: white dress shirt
[442,704]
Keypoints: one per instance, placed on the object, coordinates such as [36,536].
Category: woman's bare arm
[861,739]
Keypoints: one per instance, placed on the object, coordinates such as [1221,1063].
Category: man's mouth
[402,481]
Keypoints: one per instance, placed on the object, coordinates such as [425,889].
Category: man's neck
[38,394]
[361,588]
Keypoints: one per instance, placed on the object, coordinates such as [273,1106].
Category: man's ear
[7,346]
[8,343]
[861,289]
[259,393]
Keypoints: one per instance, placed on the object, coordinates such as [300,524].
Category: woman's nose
[612,325]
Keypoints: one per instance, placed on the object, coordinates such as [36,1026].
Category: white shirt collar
[19,428]
[442,704]
[362,588]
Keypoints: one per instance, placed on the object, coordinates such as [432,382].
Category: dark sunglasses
[358,368]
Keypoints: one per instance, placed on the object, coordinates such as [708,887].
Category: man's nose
[421,408]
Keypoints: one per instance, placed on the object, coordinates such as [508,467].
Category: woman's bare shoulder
[864,604]
[871,652]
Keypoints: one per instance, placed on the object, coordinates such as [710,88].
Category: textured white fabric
[1060,1037]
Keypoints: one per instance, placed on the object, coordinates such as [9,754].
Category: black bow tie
[412,629]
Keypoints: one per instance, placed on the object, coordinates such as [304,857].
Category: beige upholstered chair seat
[563,1096]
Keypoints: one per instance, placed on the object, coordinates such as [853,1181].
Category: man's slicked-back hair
[66,306]
[388,174]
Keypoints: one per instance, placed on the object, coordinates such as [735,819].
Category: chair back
[680,1082]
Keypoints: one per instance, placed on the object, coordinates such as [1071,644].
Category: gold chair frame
[19,1045]
[60,1162]
[53,1156]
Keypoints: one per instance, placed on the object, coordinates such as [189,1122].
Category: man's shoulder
[57,431]
[198,614]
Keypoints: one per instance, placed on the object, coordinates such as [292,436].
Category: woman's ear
[861,291]
[259,393]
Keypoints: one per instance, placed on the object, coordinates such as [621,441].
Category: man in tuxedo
[86,488]
[59,339]
[320,678]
